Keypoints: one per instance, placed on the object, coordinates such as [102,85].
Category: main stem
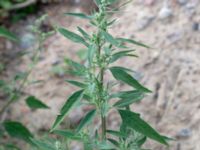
[103,117]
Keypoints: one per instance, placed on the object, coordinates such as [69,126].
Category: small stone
[27,40]
[144,22]
[182,2]
[184,133]
[174,37]
[9,45]
[190,9]
[144,19]
[195,26]
[165,13]
[149,2]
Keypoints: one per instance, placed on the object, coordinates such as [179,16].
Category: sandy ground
[170,69]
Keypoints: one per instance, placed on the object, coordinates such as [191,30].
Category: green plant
[14,90]
[102,51]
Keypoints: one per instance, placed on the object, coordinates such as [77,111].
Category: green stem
[10,101]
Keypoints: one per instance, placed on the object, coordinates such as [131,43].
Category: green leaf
[91,53]
[86,120]
[109,38]
[7,34]
[116,133]
[35,103]
[43,145]
[128,97]
[132,42]
[80,15]
[114,142]
[98,2]
[68,134]
[111,22]
[17,130]
[84,33]
[121,54]
[76,83]
[123,76]
[67,106]
[134,121]
[10,147]
[111,1]
[73,36]
[141,141]
[77,68]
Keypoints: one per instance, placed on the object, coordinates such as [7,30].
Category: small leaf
[141,141]
[76,83]
[67,106]
[128,97]
[91,53]
[86,120]
[134,121]
[98,2]
[7,34]
[35,103]
[80,15]
[43,145]
[111,1]
[116,133]
[121,54]
[68,134]
[123,76]
[17,130]
[84,33]
[114,142]
[132,42]
[109,38]
[73,36]
[111,22]
[77,68]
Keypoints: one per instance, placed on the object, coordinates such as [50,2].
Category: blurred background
[171,69]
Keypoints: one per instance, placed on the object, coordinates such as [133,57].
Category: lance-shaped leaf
[141,141]
[76,83]
[123,76]
[80,15]
[86,120]
[68,134]
[114,142]
[73,36]
[128,97]
[121,54]
[91,52]
[116,133]
[111,1]
[17,130]
[109,38]
[7,34]
[35,103]
[124,40]
[77,68]
[84,33]
[67,106]
[133,120]
[43,145]
[98,2]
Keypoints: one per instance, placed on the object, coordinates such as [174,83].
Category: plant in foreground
[102,51]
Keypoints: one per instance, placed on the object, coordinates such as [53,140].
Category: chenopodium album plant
[102,51]
[13,90]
